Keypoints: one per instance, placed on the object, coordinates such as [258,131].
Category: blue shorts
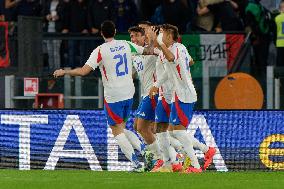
[163,111]
[146,109]
[117,112]
[181,113]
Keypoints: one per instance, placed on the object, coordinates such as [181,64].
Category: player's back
[167,87]
[116,69]
[145,68]
[180,71]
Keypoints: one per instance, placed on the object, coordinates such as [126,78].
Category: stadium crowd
[86,16]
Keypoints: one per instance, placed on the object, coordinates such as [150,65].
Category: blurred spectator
[23,8]
[191,7]
[2,5]
[271,4]
[240,6]
[76,21]
[224,14]
[125,14]
[279,20]
[257,22]
[11,9]
[205,22]
[175,12]
[99,11]
[148,8]
[53,15]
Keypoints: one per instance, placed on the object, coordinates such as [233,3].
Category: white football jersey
[180,73]
[165,85]
[114,61]
[145,67]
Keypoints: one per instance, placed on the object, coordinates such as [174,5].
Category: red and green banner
[217,50]
[4,48]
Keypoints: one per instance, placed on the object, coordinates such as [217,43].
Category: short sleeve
[135,49]
[95,58]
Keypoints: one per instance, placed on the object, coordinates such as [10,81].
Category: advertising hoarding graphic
[215,50]
[81,139]
[31,86]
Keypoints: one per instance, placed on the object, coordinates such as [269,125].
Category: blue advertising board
[81,139]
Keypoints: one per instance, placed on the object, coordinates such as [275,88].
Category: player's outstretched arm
[85,70]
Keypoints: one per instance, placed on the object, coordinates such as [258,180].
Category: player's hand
[160,39]
[153,91]
[59,73]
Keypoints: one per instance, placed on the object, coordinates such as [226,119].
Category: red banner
[4,48]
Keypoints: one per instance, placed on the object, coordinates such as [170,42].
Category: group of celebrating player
[167,91]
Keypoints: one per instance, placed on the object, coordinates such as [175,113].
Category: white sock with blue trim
[186,142]
[135,142]
[126,148]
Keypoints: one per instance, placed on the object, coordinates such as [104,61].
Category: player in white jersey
[177,65]
[159,127]
[114,61]
[146,70]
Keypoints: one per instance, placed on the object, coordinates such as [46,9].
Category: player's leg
[164,143]
[133,138]
[144,128]
[135,142]
[209,152]
[116,119]
[181,115]
[146,116]
[162,121]
[174,142]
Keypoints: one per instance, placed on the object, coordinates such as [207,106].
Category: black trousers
[280,57]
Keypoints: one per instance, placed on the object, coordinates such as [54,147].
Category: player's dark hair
[145,23]
[108,29]
[136,29]
[173,30]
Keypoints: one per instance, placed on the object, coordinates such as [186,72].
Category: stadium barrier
[80,139]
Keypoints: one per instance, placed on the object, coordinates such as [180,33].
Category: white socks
[155,149]
[199,145]
[173,155]
[196,144]
[135,142]
[187,144]
[174,142]
[126,148]
[164,143]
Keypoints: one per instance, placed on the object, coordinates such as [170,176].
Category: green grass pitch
[70,179]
